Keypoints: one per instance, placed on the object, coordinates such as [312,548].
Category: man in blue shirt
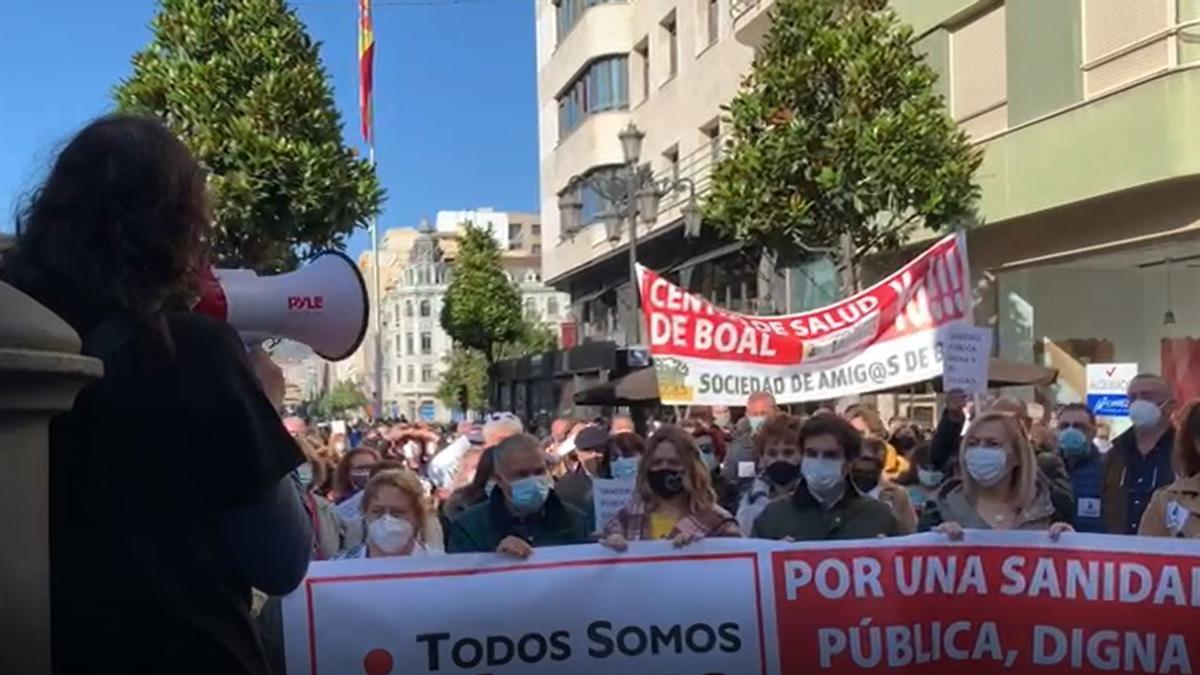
[1140,460]
[1076,435]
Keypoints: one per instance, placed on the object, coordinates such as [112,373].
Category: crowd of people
[766,473]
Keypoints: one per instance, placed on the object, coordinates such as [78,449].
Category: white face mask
[390,535]
[1144,414]
[822,476]
[988,466]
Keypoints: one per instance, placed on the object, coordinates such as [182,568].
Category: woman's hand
[952,530]
[1058,529]
[615,542]
[686,538]
[270,375]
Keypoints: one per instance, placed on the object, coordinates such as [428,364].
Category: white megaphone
[323,304]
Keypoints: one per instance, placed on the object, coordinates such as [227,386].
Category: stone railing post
[41,371]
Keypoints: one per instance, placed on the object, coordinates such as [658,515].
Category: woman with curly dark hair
[170,494]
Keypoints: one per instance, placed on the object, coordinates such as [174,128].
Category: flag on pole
[366,69]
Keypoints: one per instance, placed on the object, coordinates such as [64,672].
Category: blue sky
[455,107]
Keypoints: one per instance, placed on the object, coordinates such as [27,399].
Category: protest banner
[883,337]
[1011,602]
[966,351]
[610,495]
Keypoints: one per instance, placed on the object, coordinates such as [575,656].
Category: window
[593,203]
[570,11]
[408,306]
[514,234]
[408,344]
[670,29]
[409,372]
[398,352]
[979,74]
[642,55]
[426,373]
[536,249]
[396,313]
[536,230]
[672,158]
[530,308]
[552,308]
[603,85]
[714,18]
[425,308]
[398,374]
[711,134]
[426,342]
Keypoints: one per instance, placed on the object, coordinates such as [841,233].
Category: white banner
[996,603]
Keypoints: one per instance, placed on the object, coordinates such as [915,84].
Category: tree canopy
[344,395]
[466,367]
[242,83]
[482,307]
[838,130]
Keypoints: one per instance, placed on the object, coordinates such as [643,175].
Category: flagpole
[378,290]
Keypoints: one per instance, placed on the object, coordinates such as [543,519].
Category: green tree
[482,307]
[242,84]
[466,367]
[344,395]
[837,131]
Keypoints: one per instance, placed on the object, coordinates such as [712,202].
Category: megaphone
[323,304]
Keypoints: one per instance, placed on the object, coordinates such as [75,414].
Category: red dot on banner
[378,662]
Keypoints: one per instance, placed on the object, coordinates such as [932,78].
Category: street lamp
[631,194]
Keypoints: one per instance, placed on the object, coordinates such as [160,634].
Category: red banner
[882,337]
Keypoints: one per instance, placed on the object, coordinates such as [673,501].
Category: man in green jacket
[825,505]
[523,512]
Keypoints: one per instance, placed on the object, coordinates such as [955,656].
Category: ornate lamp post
[631,195]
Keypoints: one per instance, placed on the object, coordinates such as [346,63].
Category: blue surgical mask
[930,478]
[1073,442]
[304,474]
[625,468]
[529,494]
[755,421]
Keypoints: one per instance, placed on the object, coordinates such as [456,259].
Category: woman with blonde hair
[396,515]
[1174,510]
[673,499]
[999,489]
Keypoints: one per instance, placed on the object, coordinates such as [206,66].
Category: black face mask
[782,472]
[866,475]
[665,483]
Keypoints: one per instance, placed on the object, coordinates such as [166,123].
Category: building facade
[1088,247]
[666,66]
[416,348]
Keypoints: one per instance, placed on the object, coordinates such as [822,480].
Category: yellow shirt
[661,525]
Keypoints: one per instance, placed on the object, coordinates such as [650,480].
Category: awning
[639,386]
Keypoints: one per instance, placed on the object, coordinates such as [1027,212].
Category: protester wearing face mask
[674,498]
[825,505]
[905,436]
[721,418]
[999,489]
[575,486]
[739,465]
[866,474]
[523,512]
[922,480]
[1076,428]
[1174,510]
[395,514]
[622,454]
[1140,460]
[353,472]
[868,423]
[777,446]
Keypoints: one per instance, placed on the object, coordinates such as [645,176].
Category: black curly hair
[118,226]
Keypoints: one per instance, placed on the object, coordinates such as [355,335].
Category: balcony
[751,18]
